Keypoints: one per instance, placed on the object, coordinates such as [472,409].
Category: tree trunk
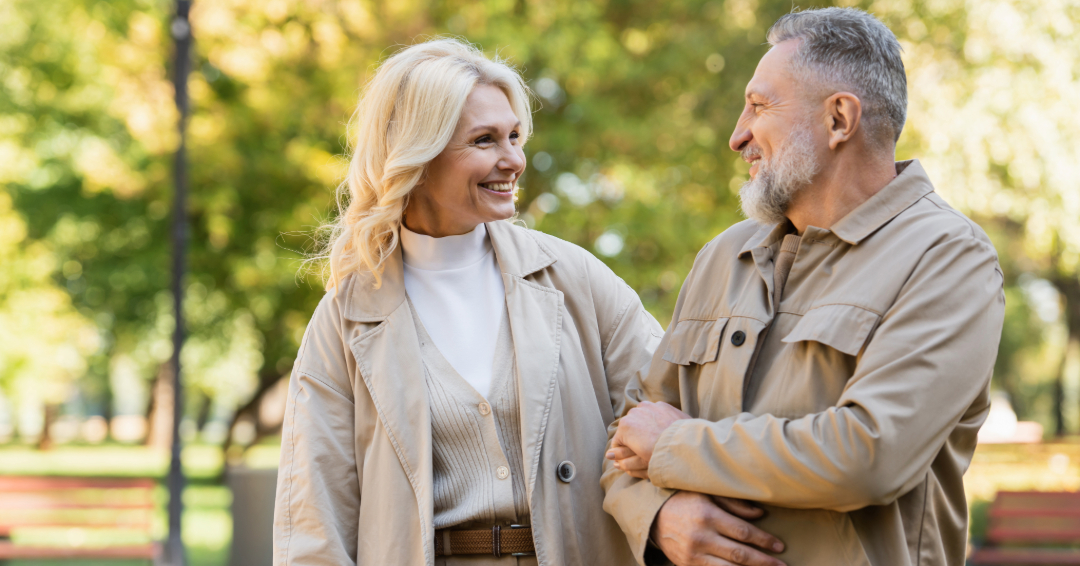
[45,441]
[1069,288]
[159,414]
[251,408]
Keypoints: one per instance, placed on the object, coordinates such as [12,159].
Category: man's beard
[765,198]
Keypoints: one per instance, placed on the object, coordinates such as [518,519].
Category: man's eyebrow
[490,128]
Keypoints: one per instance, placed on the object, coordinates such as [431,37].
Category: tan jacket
[873,379]
[355,482]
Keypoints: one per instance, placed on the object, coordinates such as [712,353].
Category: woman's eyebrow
[490,128]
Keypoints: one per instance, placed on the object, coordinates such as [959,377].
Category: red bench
[1030,528]
[79,508]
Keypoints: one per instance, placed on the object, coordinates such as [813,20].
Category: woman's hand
[638,432]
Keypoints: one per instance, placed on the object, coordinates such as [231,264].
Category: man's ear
[843,114]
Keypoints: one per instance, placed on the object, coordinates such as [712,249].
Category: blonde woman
[450,400]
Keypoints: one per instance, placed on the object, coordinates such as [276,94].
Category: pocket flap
[842,327]
[695,341]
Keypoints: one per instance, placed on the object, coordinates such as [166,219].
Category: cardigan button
[566,471]
[484,408]
[502,472]
[738,337]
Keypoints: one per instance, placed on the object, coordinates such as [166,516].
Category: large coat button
[566,471]
[738,337]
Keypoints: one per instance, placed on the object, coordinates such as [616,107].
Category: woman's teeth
[499,187]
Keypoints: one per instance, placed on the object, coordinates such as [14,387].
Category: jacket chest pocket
[818,357]
[710,374]
[695,342]
[845,328]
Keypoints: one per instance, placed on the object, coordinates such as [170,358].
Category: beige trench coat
[355,482]
[859,417]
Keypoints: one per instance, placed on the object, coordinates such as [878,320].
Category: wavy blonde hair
[406,116]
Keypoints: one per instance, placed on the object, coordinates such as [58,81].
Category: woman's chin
[503,212]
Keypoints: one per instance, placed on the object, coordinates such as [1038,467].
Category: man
[829,359]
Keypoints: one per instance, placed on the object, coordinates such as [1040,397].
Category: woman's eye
[483,140]
[514,135]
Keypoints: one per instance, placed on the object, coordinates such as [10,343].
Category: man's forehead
[772,70]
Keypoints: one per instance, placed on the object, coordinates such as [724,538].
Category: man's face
[776,136]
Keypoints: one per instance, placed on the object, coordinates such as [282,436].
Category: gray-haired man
[829,358]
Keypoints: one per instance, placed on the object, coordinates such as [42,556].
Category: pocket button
[738,337]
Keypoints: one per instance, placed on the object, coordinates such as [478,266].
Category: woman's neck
[450,252]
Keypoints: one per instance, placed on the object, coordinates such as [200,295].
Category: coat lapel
[388,357]
[536,325]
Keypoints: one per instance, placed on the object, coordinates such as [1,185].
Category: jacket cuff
[634,503]
[664,466]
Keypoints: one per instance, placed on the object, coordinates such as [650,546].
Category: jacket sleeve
[632,502]
[915,381]
[318,495]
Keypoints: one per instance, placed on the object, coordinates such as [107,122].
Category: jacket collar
[910,185]
[518,252]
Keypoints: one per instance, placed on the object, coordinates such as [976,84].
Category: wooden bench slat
[9,550]
[1004,556]
[53,483]
[1018,535]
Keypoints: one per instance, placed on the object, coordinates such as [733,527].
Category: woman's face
[474,179]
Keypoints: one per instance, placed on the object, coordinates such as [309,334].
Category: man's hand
[694,529]
[638,431]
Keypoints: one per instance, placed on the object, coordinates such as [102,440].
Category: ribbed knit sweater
[476,442]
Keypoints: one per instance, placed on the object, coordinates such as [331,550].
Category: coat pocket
[842,327]
[695,341]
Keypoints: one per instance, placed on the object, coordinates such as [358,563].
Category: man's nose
[740,138]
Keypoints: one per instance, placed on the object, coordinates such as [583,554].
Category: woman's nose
[513,159]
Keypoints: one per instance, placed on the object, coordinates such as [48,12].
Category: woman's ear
[844,113]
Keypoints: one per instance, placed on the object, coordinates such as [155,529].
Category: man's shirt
[849,410]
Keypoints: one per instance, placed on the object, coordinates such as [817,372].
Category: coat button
[502,472]
[566,471]
[738,337]
[484,408]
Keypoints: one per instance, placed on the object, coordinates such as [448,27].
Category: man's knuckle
[739,554]
[742,531]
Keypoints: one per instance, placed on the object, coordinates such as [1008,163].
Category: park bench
[78,518]
[1030,528]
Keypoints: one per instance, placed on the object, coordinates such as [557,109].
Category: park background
[635,103]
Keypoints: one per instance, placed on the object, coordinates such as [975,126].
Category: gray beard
[765,198]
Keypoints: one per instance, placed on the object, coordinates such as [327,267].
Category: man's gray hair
[853,50]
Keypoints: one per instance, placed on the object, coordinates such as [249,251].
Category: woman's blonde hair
[406,116]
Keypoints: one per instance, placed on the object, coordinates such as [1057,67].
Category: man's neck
[844,184]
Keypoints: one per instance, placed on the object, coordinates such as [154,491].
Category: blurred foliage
[628,160]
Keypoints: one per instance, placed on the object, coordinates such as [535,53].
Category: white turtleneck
[456,286]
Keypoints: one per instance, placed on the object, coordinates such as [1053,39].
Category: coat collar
[910,185]
[519,253]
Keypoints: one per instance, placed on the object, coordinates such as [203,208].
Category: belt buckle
[522,553]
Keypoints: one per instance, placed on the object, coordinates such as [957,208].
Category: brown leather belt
[515,540]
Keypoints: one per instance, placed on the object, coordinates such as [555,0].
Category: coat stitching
[393,441]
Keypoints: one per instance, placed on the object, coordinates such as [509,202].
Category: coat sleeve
[632,502]
[316,511]
[916,380]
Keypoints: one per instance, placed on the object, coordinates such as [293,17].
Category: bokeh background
[636,101]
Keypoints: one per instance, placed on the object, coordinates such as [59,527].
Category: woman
[450,400]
